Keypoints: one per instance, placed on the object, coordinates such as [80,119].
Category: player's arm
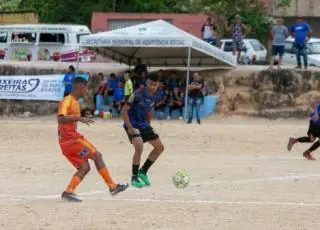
[64,118]
[149,115]
[125,111]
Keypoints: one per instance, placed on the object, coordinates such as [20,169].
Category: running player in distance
[137,114]
[75,147]
[312,134]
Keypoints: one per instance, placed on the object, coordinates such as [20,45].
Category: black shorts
[314,130]
[277,50]
[110,93]
[147,134]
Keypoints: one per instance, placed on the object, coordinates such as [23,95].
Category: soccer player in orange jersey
[75,147]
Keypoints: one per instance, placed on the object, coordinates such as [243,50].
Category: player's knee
[138,149]
[97,156]
[160,148]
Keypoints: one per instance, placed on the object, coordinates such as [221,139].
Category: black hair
[112,75]
[153,77]
[71,67]
[128,71]
[79,80]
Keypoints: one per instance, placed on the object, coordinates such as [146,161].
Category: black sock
[314,146]
[146,166]
[135,170]
[304,139]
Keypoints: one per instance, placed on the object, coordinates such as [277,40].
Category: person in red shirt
[75,147]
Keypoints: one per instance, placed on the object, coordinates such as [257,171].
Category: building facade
[191,23]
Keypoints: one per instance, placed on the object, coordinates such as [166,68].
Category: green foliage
[9,5]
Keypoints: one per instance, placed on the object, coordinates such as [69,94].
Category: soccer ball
[181,179]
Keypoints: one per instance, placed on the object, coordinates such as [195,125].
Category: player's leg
[153,138]
[197,106]
[104,173]
[190,108]
[137,143]
[68,194]
[306,139]
[308,154]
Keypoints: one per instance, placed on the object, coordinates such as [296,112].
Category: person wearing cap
[279,34]
[239,31]
[301,31]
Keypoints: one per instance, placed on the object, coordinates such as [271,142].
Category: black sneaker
[199,122]
[189,122]
[298,67]
[119,188]
[70,197]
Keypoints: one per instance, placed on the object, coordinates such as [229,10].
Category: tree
[9,5]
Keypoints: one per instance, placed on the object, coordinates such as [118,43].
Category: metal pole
[78,60]
[187,86]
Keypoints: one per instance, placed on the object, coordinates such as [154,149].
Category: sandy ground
[242,178]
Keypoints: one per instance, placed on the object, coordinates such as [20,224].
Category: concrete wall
[191,23]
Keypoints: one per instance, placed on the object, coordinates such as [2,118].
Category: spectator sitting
[68,79]
[208,31]
[140,68]
[161,105]
[141,81]
[101,91]
[112,84]
[176,102]
[128,87]
[172,83]
[118,98]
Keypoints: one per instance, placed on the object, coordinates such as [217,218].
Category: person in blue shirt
[164,95]
[118,98]
[68,80]
[301,31]
[312,134]
[112,84]
[137,114]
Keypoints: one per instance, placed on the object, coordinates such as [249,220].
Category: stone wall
[254,91]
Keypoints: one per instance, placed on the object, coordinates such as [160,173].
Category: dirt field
[242,178]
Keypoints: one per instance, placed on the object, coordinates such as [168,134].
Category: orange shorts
[78,151]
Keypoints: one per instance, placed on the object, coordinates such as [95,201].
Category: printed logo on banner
[19,85]
[41,87]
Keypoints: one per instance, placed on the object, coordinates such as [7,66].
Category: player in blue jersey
[137,114]
[313,133]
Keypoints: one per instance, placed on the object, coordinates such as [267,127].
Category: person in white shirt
[208,31]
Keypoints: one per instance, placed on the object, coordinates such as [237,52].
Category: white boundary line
[166,201]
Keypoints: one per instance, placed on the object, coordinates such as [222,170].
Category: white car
[253,53]
[313,51]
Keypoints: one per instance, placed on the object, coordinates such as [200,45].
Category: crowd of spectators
[115,90]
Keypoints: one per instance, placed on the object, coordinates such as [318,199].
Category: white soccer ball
[181,179]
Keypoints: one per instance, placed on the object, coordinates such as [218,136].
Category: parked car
[313,51]
[253,53]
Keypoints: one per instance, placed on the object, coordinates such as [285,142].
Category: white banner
[42,87]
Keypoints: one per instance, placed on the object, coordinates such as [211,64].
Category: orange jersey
[69,106]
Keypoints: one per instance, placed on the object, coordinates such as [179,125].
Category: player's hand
[86,120]
[131,131]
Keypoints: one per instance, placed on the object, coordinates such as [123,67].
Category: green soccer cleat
[135,182]
[144,178]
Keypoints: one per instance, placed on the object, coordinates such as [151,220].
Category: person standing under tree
[279,35]
[301,31]
[208,31]
[239,32]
